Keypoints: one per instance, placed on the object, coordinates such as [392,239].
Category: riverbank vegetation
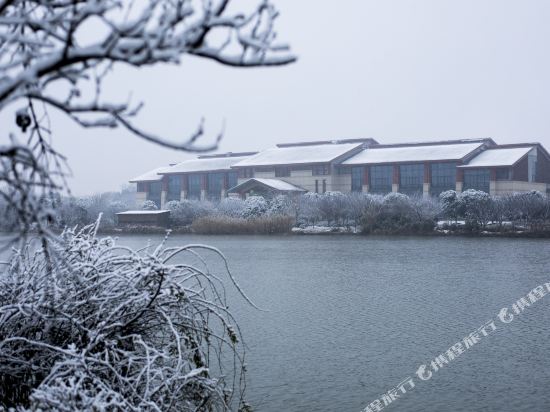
[469,212]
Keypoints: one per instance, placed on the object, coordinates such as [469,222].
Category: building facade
[354,165]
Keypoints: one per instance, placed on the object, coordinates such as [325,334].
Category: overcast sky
[398,71]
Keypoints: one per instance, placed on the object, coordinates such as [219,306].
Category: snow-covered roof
[143,212]
[274,184]
[415,153]
[322,153]
[205,164]
[498,157]
[150,176]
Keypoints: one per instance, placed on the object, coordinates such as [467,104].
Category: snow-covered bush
[72,212]
[333,207]
[184,212]
[476,207]
[450,204]
[307,207]
[281,205]
[149,205]
[397,213]
[89,325]
[531,208]
[231,206]
[254,206]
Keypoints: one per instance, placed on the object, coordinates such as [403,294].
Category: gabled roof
[300,154]
[150,176]
[208,163]
[415,153]
[498,157]
[273,184]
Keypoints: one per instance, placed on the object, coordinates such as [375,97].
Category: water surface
[350,317]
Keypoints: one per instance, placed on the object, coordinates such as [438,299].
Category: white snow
[317,230]
[143,212]
[274,184]
[205,164]
[150,176]
[375,155]
[320,153]
[498,157]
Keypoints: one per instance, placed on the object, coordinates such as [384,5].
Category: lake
[350,317]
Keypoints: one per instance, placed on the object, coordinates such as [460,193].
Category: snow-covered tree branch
[56,55]
[85,325]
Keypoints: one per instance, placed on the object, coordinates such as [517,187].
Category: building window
[504,174]
[357,179]
[141,187]
[343,170]
[246,173]
[215,185]
[477,179]
[532,165]
[316,186]
[443,178]
[320,170]
[381,178]
[324,186]
[282,171]
[174,188]
[232,179]
[411,178]
[194,189]
[154,193]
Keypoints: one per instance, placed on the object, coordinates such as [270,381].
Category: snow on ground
[317,230]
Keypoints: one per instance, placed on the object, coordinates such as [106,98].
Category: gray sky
[397,71]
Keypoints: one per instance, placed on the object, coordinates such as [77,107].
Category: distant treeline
[471,211]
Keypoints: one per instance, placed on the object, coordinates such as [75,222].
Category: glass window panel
[174,188]
[154,194]
[232,179]
[443,177]
[411,178]
[380,179]
[357,179]
[194,186]
[477,179]
[215,184]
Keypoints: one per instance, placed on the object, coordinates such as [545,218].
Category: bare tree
[82,327]
[45,63]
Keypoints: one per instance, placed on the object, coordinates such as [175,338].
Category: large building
[354,165]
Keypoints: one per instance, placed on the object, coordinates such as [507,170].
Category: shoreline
[327,231]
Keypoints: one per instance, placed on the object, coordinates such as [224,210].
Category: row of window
[284,171]
[411,178]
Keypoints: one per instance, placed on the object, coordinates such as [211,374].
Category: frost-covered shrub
[476,207]
[109,215]
[231,207]
[450,204]
[186,211]
[333,207]
[307,207]
[254,206]
[149,205]
[531,209]
[397,213]
[72,212]
[281,205]
[94,326]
